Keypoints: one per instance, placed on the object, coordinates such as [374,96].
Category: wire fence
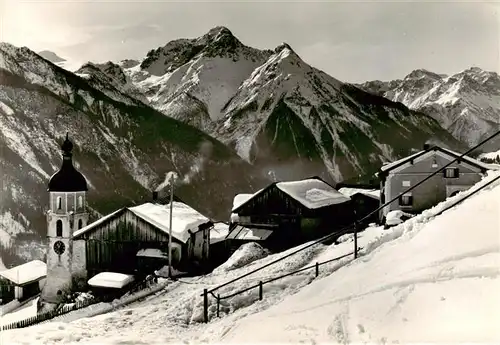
[355,227]
[261,284]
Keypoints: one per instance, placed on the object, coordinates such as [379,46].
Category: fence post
[218,303]
[356,239]
[317,269]
[260,291]
[205,305]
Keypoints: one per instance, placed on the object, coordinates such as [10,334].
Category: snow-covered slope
[123,147]
[110,79]
[430,279]
[285,117]
[466,103]
[192,79]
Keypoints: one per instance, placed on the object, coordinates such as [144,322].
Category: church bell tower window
[59,228]
[59,203]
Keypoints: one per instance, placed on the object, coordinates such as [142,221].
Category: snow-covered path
[426,280]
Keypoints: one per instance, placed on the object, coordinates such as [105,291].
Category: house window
[80,201]
[80,223]
[59,228]
[406,184]
[451,173]
[59,203]
[406,200]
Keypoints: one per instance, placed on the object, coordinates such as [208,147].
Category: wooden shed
[119,241]
[23,281]
[295,212]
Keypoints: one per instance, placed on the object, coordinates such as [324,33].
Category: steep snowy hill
[431,279]
[466,103]
[287,118]
[123,147]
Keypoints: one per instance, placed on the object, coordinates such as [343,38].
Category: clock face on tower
[59,247]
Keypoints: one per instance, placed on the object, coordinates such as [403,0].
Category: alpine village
[116,253]
[169,233]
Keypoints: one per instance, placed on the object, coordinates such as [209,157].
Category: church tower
[67,192]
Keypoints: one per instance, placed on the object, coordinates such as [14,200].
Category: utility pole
[172,181]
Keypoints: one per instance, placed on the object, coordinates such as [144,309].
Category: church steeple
[67,179]
[67,147]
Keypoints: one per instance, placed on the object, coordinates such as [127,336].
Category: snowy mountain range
[280,114]
[466,103]
[229,117]
[123,147]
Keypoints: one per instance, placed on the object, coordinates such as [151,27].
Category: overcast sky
[352,41]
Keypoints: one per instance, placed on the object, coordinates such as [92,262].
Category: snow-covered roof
[374,193]
[97,222]
[240,199]
[26,273]
[312,193]
[152,253]
[184,218]
[467,159]
[219,232]
[111,280]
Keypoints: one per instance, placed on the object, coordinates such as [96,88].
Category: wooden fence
[69,308]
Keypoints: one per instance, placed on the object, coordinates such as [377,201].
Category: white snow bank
[111,280]
[25,311]
[26,273]
[244,255]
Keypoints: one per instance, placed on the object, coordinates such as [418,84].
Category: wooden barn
[365,201]
[289,213]
[134,240]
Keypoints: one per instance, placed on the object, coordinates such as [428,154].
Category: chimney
[427,146]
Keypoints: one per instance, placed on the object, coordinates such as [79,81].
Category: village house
[22,282]
[364,201]
[285,214]
[400,175]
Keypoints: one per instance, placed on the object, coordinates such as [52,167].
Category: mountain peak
[422,73]
[51,56]
[220,30]
[282,47]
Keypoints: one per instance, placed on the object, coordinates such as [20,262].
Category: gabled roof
[474,162]
[312,193]
[184,219]
[372,193]
[26,273]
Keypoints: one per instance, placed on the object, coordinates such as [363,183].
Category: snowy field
[429,279]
